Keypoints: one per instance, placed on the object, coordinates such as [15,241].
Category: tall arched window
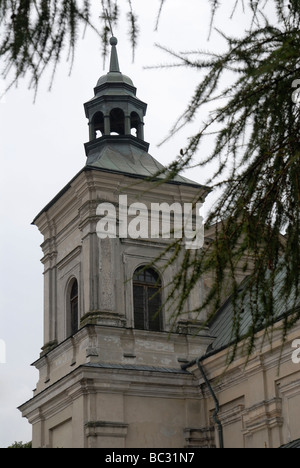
[147,300]
[73,307]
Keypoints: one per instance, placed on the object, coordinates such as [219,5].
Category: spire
[114,75]
[114,62]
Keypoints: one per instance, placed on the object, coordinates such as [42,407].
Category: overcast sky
[41,149]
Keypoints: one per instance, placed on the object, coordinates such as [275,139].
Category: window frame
[150,291]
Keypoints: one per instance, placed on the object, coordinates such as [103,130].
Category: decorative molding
[192,327]
[290,389]
[264,415]
[97,317]
[200,438]
[68,258]
[255,366]
[106,429]
[232,415]
[48,347]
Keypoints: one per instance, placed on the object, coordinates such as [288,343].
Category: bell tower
[110,369]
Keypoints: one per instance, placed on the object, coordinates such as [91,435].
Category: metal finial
[114,61]
[113,41]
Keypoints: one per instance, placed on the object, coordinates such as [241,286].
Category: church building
[115,370]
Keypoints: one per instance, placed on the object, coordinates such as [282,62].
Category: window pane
[74,322]
[146,276]
[74,290]
[154,305]
[139,276]
[147,300]
[139,307]
[150,277]
[74,316]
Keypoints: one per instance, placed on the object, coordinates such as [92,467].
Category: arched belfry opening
[115,111]
[136,125]
[97,126]
[117,122]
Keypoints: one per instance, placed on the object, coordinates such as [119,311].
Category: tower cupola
[115,113]
[116,127]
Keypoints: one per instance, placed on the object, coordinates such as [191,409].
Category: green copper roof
[127,155]
[221,327]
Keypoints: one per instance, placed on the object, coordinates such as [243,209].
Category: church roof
[295,444]
[128,156]
[221,327]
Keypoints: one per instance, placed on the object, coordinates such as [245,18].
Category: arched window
[147,300]
[73,307]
